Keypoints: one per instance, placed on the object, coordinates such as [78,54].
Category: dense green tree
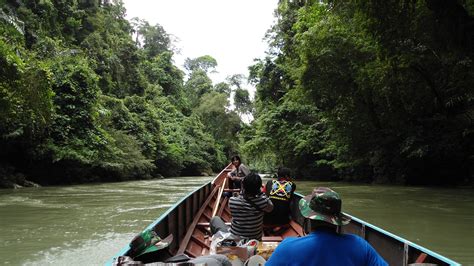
[205,63]
[87,96]
[153,39]
[197,85]
[160,70]
[223,87]
[221,122]
[26,103]
[391,83]
[199,82]
[270,79]
[235,81]
[242,101]
[211,105]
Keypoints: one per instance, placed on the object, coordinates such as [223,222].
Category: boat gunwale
[226,169]
[405,241]
[162,217]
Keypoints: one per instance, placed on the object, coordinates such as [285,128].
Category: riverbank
[10,179]
[16,182]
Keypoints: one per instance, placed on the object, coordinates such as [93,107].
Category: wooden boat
[187,222]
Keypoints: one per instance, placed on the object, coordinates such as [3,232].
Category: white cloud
[231,31]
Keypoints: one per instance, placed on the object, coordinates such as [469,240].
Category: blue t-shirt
[325,248]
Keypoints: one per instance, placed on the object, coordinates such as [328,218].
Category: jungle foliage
[377,91]
[373,91]
[86,95]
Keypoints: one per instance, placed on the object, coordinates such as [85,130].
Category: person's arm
[269,206]
[280,255]
[233,174]
[244,169]
[293,188]
[267,188]
[374,258]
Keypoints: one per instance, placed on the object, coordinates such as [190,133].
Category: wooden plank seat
[277,226]
[421,258]
[298,229]
[207,224]
[232,190]
[275,229]
[272,239]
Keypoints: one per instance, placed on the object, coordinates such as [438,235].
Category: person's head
[235,160]
[252,184]
[323,208]
[283,172]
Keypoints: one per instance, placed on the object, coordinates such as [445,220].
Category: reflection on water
[88,224]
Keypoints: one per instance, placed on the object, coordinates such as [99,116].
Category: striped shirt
[247,221]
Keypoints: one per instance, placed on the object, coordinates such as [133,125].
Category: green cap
[148,241]
[323,204]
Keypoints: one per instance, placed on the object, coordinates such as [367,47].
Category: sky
[231,31]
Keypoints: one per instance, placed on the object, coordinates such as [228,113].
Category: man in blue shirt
[325,245]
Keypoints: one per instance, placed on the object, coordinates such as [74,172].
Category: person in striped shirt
[247,210]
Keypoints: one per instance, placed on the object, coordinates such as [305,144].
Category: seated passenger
[325,245]
[247,211]
[239,172]
[280,192]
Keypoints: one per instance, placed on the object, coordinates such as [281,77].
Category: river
[88,224]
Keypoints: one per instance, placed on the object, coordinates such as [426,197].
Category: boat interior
[190,223]
[186,227]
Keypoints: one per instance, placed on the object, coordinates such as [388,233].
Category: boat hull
[188,222]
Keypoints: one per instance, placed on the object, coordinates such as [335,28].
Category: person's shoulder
[373,256]
[291,239]
[238,198]
[261,197]
[286,181]
[355,238]
[290,182]
[243,166]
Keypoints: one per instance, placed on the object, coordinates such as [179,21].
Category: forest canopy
[371,91]
[378,91]
[86,95]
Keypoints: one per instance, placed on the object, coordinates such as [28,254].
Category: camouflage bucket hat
[148,241]
[323,204]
